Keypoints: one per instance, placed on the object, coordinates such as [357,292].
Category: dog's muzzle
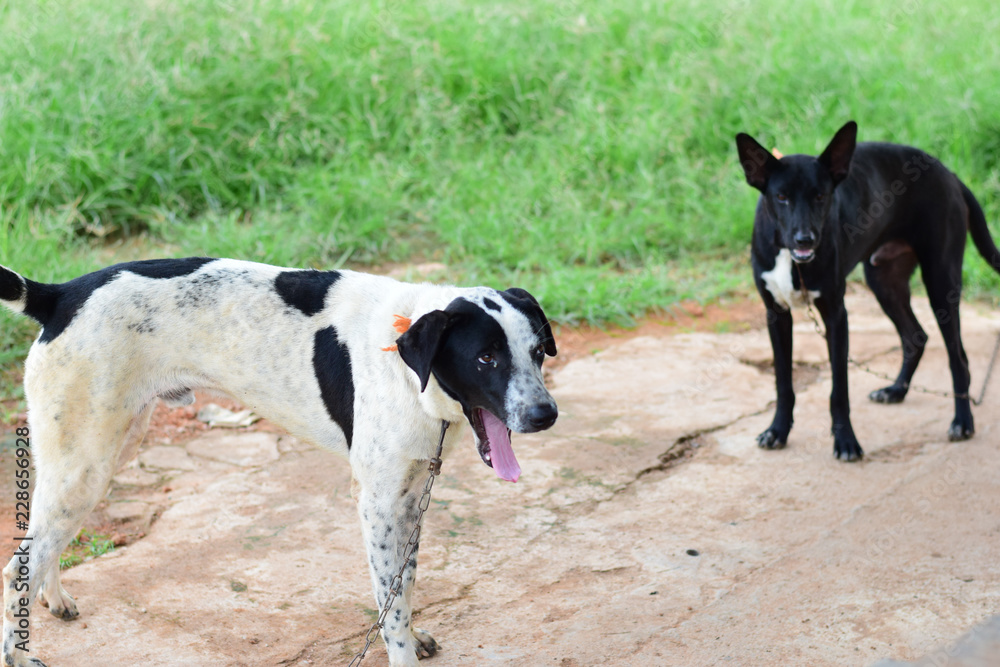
[803,255]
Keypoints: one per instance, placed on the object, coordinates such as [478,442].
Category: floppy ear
[548,340]
[837,156]
[421,342]
[757,162]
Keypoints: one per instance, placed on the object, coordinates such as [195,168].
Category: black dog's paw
[771,439]
[892,394]
[847,449]
[426,646]
[959,431]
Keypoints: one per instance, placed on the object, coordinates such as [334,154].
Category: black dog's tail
[980,232]
[26,296]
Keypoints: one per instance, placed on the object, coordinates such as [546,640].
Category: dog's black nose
[805,239]
[542,416]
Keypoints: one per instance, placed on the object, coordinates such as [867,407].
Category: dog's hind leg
[943,278]
[62,499]
[74,462]
[52,594]
[888,274]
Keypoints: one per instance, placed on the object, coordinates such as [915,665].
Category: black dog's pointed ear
[548,340]
[421,342]
[758,163]
[838,154]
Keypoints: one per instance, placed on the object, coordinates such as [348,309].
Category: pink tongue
[501,453]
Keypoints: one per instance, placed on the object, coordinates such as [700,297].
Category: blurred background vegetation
[582,149]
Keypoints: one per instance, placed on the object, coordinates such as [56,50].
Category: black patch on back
[55,306]
[332,365]
[162,268]
[491,304]
[305,290]
[10,285]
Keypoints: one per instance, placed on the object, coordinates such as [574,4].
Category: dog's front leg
[779,326]
[845,444]
[388,504]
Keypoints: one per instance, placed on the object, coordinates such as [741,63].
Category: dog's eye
[487,359]
[782,198]
[540,350]
[819,197]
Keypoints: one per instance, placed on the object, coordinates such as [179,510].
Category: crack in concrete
[683,448]
[298,656]
[767,365]
[430,606]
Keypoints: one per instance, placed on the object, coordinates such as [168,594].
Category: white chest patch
[779,283]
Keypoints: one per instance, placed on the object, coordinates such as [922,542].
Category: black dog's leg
[890,281]
[779,326]
[845,444]
[944,288]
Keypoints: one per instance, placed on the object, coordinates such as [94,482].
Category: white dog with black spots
[363,365]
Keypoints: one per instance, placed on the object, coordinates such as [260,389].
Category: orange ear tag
[776,153]
[401,325]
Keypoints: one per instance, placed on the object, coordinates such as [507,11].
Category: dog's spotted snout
[542,415]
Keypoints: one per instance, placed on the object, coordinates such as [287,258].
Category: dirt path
[647,528]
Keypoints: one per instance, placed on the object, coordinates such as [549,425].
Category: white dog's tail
[13,290]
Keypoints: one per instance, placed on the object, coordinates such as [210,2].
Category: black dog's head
[797,190]
[485,351]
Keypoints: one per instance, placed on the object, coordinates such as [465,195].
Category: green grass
[85,546]
[581,149]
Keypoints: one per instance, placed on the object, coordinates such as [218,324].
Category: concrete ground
[647,528]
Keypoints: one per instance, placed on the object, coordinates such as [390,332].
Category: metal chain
[866,368]
[397,582]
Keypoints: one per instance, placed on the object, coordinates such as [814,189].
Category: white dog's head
[486,353]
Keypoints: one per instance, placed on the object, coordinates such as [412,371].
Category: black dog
[893,207]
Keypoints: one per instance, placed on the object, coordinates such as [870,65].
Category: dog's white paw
[21,660]
[60,603]
[426,646]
